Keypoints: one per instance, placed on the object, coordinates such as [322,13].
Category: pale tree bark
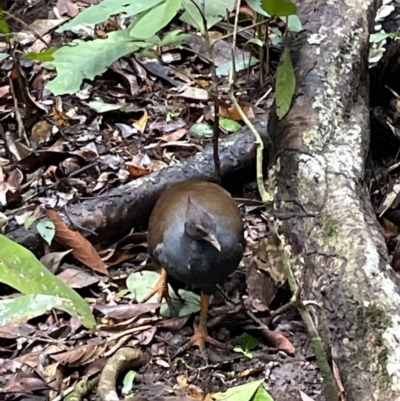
[335,243]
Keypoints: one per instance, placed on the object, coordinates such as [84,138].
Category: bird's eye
[200,231]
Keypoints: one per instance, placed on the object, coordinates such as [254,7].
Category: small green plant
[81,60]
[246,343]
[20,269]
[251,391]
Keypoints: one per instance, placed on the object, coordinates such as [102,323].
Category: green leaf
[45,55]
[256,41]
[141,283]
[262,395]
[29,221]
[229,125]
[285,85]
[191,304]
[256,6]
[240,350]
[102,107]
[247,342]
[171,115]
[104,10]
[294,24]
[277,37]
[4,27]
[3,56]
[278,8]
[244,392]
[293,21]
[241,63]
[155,19]
[214,12]
[21,270]
[192,15]
[127,384]
[46,229]
[29,306]
[82,60]
[175,37]
[202,129]
[378,37]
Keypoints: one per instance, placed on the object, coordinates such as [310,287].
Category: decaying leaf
[82,249]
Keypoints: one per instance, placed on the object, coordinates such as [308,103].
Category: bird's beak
[212,239]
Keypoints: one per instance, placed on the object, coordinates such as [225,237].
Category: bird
[196,236]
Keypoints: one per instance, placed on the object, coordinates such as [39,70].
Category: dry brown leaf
[95,367]
[338,379]
[49,371]
[67,7]
[52,260]
[126,248]
[278,340]
[124,312]
[41,132]
[140,124]
[135,171]
[174,136]
[79,356]
[305,397]
[226,110]
[21,384]
[260,288]
[16,330]
[10,190]
[195,93]
[121,256]
[195,392]
[139,165]
[61,119]
[253,371]
[182,380]
[156,165]
[174,324]
[4,90]
[77,278]
[268,258]
[32,358]
[19,150]
[3,162]
[146,337]
[82,249]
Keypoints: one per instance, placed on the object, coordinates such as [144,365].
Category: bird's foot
[161,289]
[199,339]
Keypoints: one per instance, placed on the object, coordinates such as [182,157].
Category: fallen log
[114,214]
[335,243]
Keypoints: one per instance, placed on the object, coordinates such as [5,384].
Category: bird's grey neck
[188,243]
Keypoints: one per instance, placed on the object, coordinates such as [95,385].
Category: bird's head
[200,225]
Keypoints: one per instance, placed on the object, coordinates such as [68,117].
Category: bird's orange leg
[161,288]
[200,336]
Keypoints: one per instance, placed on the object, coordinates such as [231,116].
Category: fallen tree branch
[117,212]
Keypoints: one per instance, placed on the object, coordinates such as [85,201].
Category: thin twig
[27,27]
[214,93]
